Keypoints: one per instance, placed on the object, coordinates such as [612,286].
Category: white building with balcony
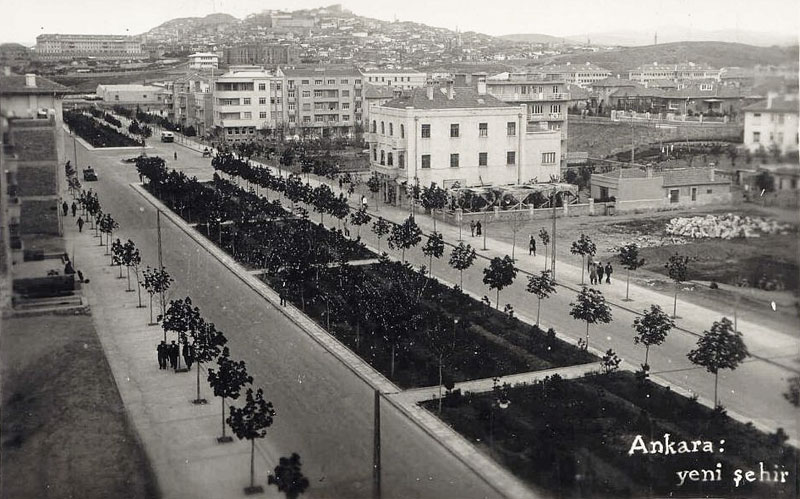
[245,102]
[771,123]
[397,78]
[203,60]
[448,135]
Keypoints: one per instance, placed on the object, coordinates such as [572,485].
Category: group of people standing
[597,271]
[169,353]
[475,228]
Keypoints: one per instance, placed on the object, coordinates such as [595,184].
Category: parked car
[89,175]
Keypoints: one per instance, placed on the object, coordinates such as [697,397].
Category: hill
[672,34]
[716,54]
[193,23]
[533,38]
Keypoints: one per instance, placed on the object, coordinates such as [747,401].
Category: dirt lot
[722,261]
[65,432]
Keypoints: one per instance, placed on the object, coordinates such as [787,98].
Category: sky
[22,21]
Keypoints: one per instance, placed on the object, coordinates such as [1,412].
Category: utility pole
[553,239]
[633,144]
[376,456]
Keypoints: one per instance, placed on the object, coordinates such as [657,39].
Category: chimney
[429,89]
[712,172]
[770,97]
[482,85]
[450,92]
[30,80]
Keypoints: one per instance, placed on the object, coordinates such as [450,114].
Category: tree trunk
[128,275]
[430,266]
[628,285]
[587,335]
[433,214]
[252,461]
[198,381]
[716,384]
[392,369]
[497,303]
[440,383]
[675,303]
[513,244]
[462,280]
[403,252]
[139,290]
[646,353]
[151,309]
[583,268]
[545,256]
[538,310]
[223,417]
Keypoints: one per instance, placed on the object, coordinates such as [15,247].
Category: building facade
[395,78]
[203,60]
[261,54]
[447,135]
[582,75]
[61,47]
[676,72]
[772,123]
[192,103]
[246,100]
[326,101]
[145,96]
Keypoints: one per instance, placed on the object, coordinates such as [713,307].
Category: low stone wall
[573,210]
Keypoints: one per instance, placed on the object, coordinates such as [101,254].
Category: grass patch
[572,438]
[65,432]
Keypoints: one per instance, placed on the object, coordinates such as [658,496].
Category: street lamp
[501,401]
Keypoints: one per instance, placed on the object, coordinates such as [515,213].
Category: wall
[602,137]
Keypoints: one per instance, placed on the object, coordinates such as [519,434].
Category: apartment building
[582,75]
[772,122]
[61,47]
[203,60]
[675,72]
[399,78]
[325,101]
[247,100]
[457,135]
[192,103]
[261,54]
[545,98]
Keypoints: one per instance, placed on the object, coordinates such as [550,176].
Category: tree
[499,274]
[441,341]
[322,200]
[461,259]
[405,236]
[251,422]
[719,348]
[374,184]
[591,308]
[541,286]
[359,218]
[516,222]
[107,226]
[227,382]
[434,247]
[609,362]
[583,247]
[183,319]
[733,153]
[678,271]
[433,198]
[544,236]
[156,281]
[117,255]
[288,477]
[381,227]
[629,258]
[206,343]
[651,329]
[793,392]
[132,258]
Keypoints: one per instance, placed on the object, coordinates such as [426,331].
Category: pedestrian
[80,224]
[609,270]
[175,155]
[282,294]
[472,228]
[173,355]
[74,209]
[364,203]
[64,208]
[68,268]
[600,273]
[593,273]
[188,354]
[478,228]
[532,246]
[161,349]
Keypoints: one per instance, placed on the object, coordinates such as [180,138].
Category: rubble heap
[728,226]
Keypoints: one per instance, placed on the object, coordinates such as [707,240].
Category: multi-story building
[582,75]
[203,60]
[247,99]
[545,98]
[457,135]
[674,72]
[399,78]
[324,101]
[773,122]
[375,96]
[60,47]
[261,54]
[131,95]
[192,103]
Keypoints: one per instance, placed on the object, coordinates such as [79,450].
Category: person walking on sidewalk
[173,355]
[64,208]
[478,228]
[599,273]
[609,270]
[161,350]
[593,273]
[364,203]
[282,294]
[188,354]
[532,246]
[80,224]
[472,228]
[74,209]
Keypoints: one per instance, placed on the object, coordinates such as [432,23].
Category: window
[344,82]
[374,126]
[357,81]
[426,131]
[345,93]
[402,131]
[383,157]
[306,93]
[709,191]
[345,117]
[307,106]
[306,119]
[389,160]
[426,161]
[694,193]
[317,82]
[261,100]
[483,129]
[383,128]
[511,129]
[248,115]
[703,87]
[317,93]
[291,106]
[454,160]
[511,158]
[536,109]
[290,94]
[555,108]
[555,89]
[345,105]
[401,160]
[548,158]
[756,137]
[262,86]
[674,195]
[262,115]
[454,130]
[483,159]
[375,154]
[391,129]
[278,87]
[331,82]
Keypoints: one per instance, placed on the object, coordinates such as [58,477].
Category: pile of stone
[647,241]
[728,226]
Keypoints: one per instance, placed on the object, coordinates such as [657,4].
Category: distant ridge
[533,38]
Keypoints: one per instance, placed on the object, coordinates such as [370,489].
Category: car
[89,175]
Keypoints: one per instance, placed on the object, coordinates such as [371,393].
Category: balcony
[534,97]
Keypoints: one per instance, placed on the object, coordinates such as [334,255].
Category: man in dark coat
[74,209]
[80,224]
[478,228]
[173,355]
[600,270]
[64,208]
[188,354]
[609,270]
[532,246]
[162,355]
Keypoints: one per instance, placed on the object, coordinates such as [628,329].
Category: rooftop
[391,71]
[129,87]
[322,71]
[378,91]
[464,98]
[614,82]
[778,104]
[15,84]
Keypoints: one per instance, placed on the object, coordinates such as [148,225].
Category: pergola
[512,197]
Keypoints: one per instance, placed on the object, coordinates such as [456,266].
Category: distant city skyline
[23,22]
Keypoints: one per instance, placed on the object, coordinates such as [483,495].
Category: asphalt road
[324,411]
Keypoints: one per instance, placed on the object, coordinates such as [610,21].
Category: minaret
[655,39]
